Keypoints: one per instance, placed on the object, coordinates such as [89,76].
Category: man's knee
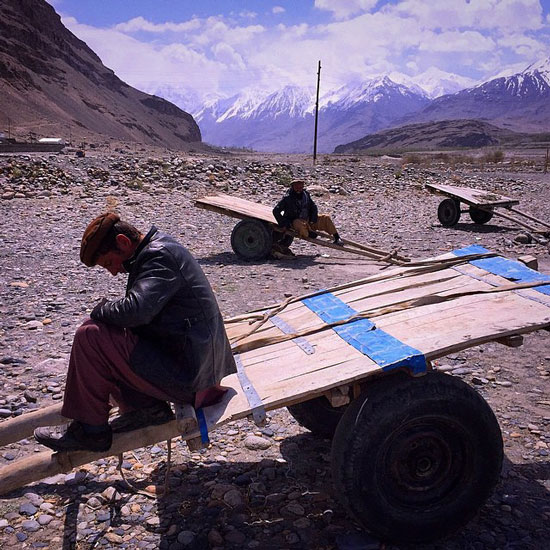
[301,227]
[90,331]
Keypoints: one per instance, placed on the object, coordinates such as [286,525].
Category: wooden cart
[415,451]
[254,236]
[482,206]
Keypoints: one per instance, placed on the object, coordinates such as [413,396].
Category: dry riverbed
[266,488]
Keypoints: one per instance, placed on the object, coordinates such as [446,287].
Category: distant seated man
[298,211]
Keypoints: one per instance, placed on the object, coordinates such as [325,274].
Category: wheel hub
[423,462]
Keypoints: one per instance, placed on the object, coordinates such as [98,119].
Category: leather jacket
[182,346]
[288,208]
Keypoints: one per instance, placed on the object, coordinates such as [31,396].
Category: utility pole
[316,114]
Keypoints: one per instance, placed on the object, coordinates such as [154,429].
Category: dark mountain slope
[520,102]
[52,83]
[446,134]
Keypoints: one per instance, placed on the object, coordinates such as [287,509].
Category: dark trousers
[99,368]
[100,372]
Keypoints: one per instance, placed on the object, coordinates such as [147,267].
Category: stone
[27,509]
[233,498]
[186,537]
[255,443]
[30,525]
[44,519]
[522,238]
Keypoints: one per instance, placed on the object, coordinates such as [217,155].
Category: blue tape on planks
[329,307]
[203,427]
[362,334]
[509,269]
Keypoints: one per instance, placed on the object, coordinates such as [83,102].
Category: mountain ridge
[52,83]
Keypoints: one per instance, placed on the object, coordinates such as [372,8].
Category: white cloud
[342,9]
[278,9]
[523,45]
[454,41]
[248,14]
[479,14]
[228,56]
[140,24]
[147,65]
[219,55]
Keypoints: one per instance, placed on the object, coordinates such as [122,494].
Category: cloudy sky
[209,48]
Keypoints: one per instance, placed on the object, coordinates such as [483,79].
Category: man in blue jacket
[298,211]
[163,341]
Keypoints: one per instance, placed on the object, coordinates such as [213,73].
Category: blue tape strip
[385,350]
[329,307]
[509,269]
[203,427]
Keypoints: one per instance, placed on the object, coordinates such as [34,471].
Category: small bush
[494,156]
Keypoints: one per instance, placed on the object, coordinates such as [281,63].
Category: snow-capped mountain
[436,82]
[519,101]
[283,120]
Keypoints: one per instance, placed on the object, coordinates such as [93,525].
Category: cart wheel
[480,216]
[448,212]
[413,459]
[251,239]
[318,416]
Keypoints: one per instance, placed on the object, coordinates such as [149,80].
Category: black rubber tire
[413,459]
[252,240]
[448,212]
[480,216]
[318,416]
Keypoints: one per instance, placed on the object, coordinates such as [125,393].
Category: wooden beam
[20,427]
[512,341]
[529,261]
[339,396]
[47,464]
[529,217]
[186,420]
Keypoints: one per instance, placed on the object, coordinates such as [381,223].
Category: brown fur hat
[93,236]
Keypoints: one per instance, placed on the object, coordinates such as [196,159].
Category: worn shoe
[141,418]
[72,437]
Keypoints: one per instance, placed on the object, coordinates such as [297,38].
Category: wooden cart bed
[483,205]
[236,207]
[475,197]
[401,318]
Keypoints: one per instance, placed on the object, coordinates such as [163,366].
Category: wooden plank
[475,197]
[234,205]
[15,429]
[530,217]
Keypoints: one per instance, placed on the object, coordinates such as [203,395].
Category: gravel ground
[270,487]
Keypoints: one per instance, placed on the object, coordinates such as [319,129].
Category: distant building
[52,141]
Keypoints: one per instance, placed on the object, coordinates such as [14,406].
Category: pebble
[254,443]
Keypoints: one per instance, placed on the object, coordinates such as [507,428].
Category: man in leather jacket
[298,211]
[163,341]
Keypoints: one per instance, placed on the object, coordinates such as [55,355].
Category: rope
[428,299]
[131,487]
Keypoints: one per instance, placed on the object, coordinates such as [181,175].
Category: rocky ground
[266,488]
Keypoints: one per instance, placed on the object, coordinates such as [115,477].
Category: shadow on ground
[283,504]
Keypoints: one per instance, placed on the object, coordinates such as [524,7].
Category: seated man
[163,341]
[297,210]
